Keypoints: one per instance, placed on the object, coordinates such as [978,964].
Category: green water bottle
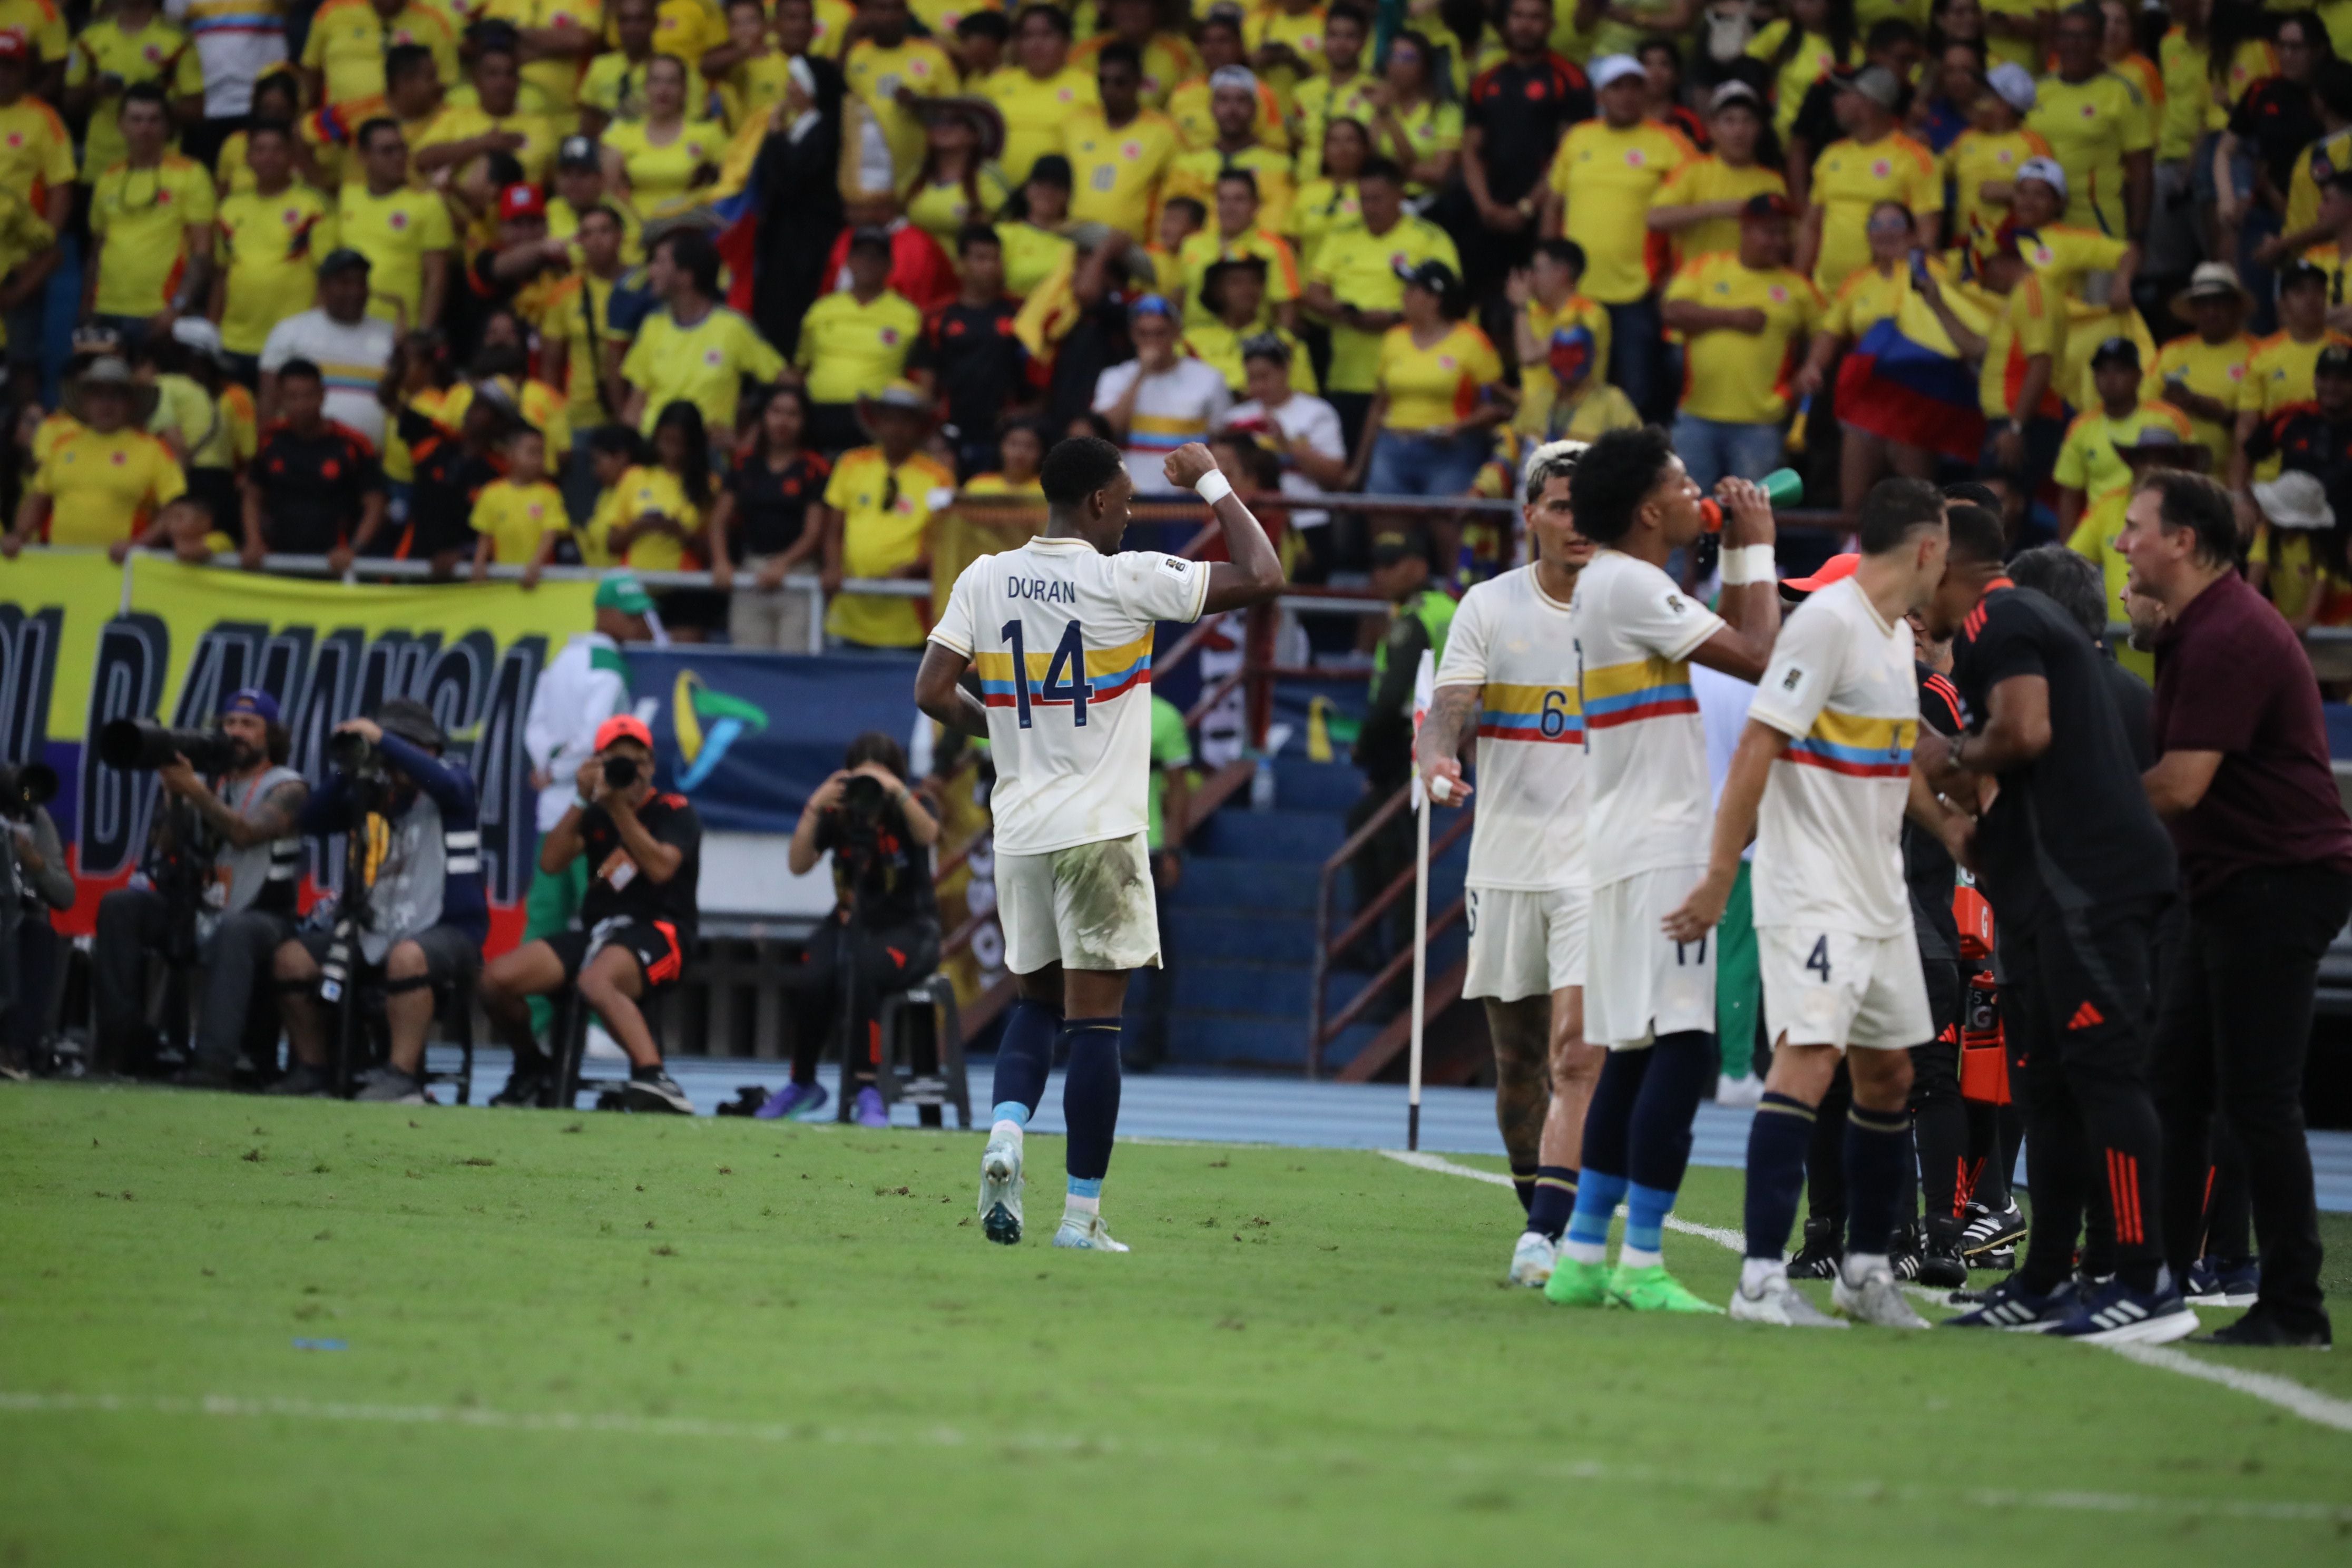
[1781,486]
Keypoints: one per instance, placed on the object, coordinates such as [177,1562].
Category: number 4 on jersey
[1069,658]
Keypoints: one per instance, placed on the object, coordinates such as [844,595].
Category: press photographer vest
[260,876]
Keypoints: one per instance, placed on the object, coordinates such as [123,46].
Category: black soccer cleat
[1823,1250]
[1941,1266]
[1987,1229]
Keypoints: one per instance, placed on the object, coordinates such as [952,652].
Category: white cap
[1234,76]
[2014,84]
[1614,68]
[2295,500]
[2047,171]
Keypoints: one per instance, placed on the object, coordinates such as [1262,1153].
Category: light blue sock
[1011,1110]
[1596,1205]
[1086,1186]
[1645,1224]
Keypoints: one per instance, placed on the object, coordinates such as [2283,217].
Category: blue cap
[1152,305]
[251,699]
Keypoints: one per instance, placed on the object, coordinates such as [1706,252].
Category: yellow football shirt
[1710,179]
[1359,268]
[1814,59]
[1430,128]
[1539,383]
[562,223]
[2017,51]
[883,525]
[515,517]
[273,244]
[1204,250]
[1864,299]
[1607,178]
[1116,172]
[1976,159]
[103,489]
[1168,59]
[556,80]
[668,180]
[847,348]
[2029,323]
[939,208]
[1742,378]
[1032,254]
[1315,104]
[1188,106]
[1438,386]
[43,24]
[641,490]
[463,121]
[1302,33]
[1219,347]
[36,152]
[1195,174]
[754,87]
[1316,209]
[2090,126]
[2281,372]
[158,52]
[1036,112]
[2209,370]
[2087,458]
[578,314]
[395,232]
[616,85]
[140,218]
[348,40]
[704,364]
[1850,178]
[875,74]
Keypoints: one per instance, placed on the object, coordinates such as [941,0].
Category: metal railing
[1321,1031]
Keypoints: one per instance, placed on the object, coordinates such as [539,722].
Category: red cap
[12,45]
[624,727]
[519,201]
[1836,568]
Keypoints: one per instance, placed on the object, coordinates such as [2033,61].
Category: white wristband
[1214,487]
[1746,563]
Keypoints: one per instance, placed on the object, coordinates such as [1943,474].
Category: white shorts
[1834,988]
[1639,983]
[1525,944]
[1086,907]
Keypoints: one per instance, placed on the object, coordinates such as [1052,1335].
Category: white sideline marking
[939,1436]
[2322,1409]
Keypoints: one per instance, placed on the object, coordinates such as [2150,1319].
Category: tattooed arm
[273,820]
[1453,718]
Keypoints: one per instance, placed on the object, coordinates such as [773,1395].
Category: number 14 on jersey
[1065,674]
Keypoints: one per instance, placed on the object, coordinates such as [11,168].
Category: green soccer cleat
[1574,1284]
[1652,1289]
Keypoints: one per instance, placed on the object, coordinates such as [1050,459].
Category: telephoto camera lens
[620,772]
[349,751]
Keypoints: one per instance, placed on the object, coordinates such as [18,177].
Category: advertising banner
[79,647]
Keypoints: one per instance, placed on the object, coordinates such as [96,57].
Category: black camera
[863,798]
[620,772]
[133,744]
[25,787]
[349,751]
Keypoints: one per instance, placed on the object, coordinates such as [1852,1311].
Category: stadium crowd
[671,287]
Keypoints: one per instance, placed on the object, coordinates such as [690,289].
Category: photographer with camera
[418,909]
[36,875]
[884,932]
[217,886]
[644,849]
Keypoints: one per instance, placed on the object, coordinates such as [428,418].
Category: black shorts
[660,958]
[449,954]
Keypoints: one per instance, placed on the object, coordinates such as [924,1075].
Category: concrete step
[1278,835]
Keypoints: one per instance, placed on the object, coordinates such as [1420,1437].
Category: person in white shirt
[1827,756]
[1059,633]
[1304,430]
[1723,710]
[350,347]
[236,41]
[584,684]
[1648,998]
[1160,399]
[1509,678]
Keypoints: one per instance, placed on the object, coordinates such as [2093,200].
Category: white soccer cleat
[1780,1304]
[1875,1299]
[1085,1233]
[1000,1188]
[1532,1259]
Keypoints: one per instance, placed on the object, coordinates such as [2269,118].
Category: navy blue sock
[1555,1200]
[1523,1182]
[1024,1058]
[1610,1117]
[1777,1142]
[1877,1143]
[1658,1141]
[1090,1095]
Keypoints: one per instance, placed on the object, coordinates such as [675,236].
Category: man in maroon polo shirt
[2242,777]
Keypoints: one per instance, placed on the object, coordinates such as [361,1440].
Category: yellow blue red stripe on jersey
[1618,694]
[1112,672]
[1159,433]
[1857,747]
[1544,714]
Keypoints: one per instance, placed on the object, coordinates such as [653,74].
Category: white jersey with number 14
[1060,635]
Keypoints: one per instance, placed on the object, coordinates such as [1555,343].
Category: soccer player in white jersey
[1059,633]
[1509,677]
[1649,999]
[1827,752]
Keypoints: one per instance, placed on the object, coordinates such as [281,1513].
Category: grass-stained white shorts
[1086,907]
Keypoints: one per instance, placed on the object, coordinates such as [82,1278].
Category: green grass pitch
[584,1339]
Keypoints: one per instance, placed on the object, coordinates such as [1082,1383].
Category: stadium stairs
[1240,929]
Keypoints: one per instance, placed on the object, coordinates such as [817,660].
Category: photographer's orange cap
[624,727]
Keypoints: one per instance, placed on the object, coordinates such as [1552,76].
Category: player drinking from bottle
[1059,633]
[1510,675]
[1648,998]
